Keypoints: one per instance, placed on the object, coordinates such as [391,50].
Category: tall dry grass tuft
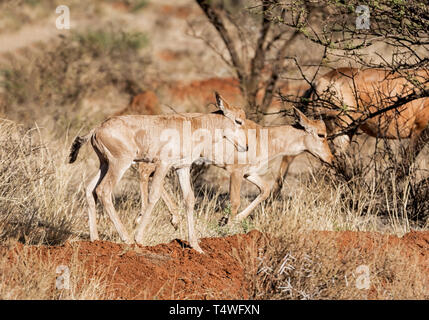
[396,184]
[39,198]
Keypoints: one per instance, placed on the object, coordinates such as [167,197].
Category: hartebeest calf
[165,141]
[282,141]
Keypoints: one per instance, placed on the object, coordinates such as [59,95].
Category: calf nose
[329,159]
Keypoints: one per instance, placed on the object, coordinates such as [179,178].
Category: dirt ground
[174,271]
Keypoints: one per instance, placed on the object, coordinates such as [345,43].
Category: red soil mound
[143,103]
[165,271]
[201,91]
[179,12]
[174,271]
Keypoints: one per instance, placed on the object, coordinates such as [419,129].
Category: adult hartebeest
[357,94]
[165,141]
[361,93]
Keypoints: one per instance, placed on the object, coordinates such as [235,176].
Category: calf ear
[224,107]
[303,120]
[233,113]
[221,102]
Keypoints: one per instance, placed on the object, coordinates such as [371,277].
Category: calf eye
[321,135]
[239,122]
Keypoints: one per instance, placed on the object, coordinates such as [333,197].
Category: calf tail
[77,143]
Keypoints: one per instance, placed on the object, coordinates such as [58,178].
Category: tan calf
[283,142]
[123,140]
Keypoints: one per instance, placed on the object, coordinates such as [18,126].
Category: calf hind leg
[104,192]
[91,199]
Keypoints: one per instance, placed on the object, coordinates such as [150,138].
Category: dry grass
[30,211]
[305,266]
[30,275]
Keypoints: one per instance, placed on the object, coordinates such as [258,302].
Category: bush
[56,81]
[393,185]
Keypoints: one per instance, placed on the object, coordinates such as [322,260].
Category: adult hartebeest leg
[417,143]
[154,195]
[185,184]
[104,191]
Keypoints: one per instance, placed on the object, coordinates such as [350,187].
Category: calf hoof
[197,248]
[223,221]
[139,219]
[175,224]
